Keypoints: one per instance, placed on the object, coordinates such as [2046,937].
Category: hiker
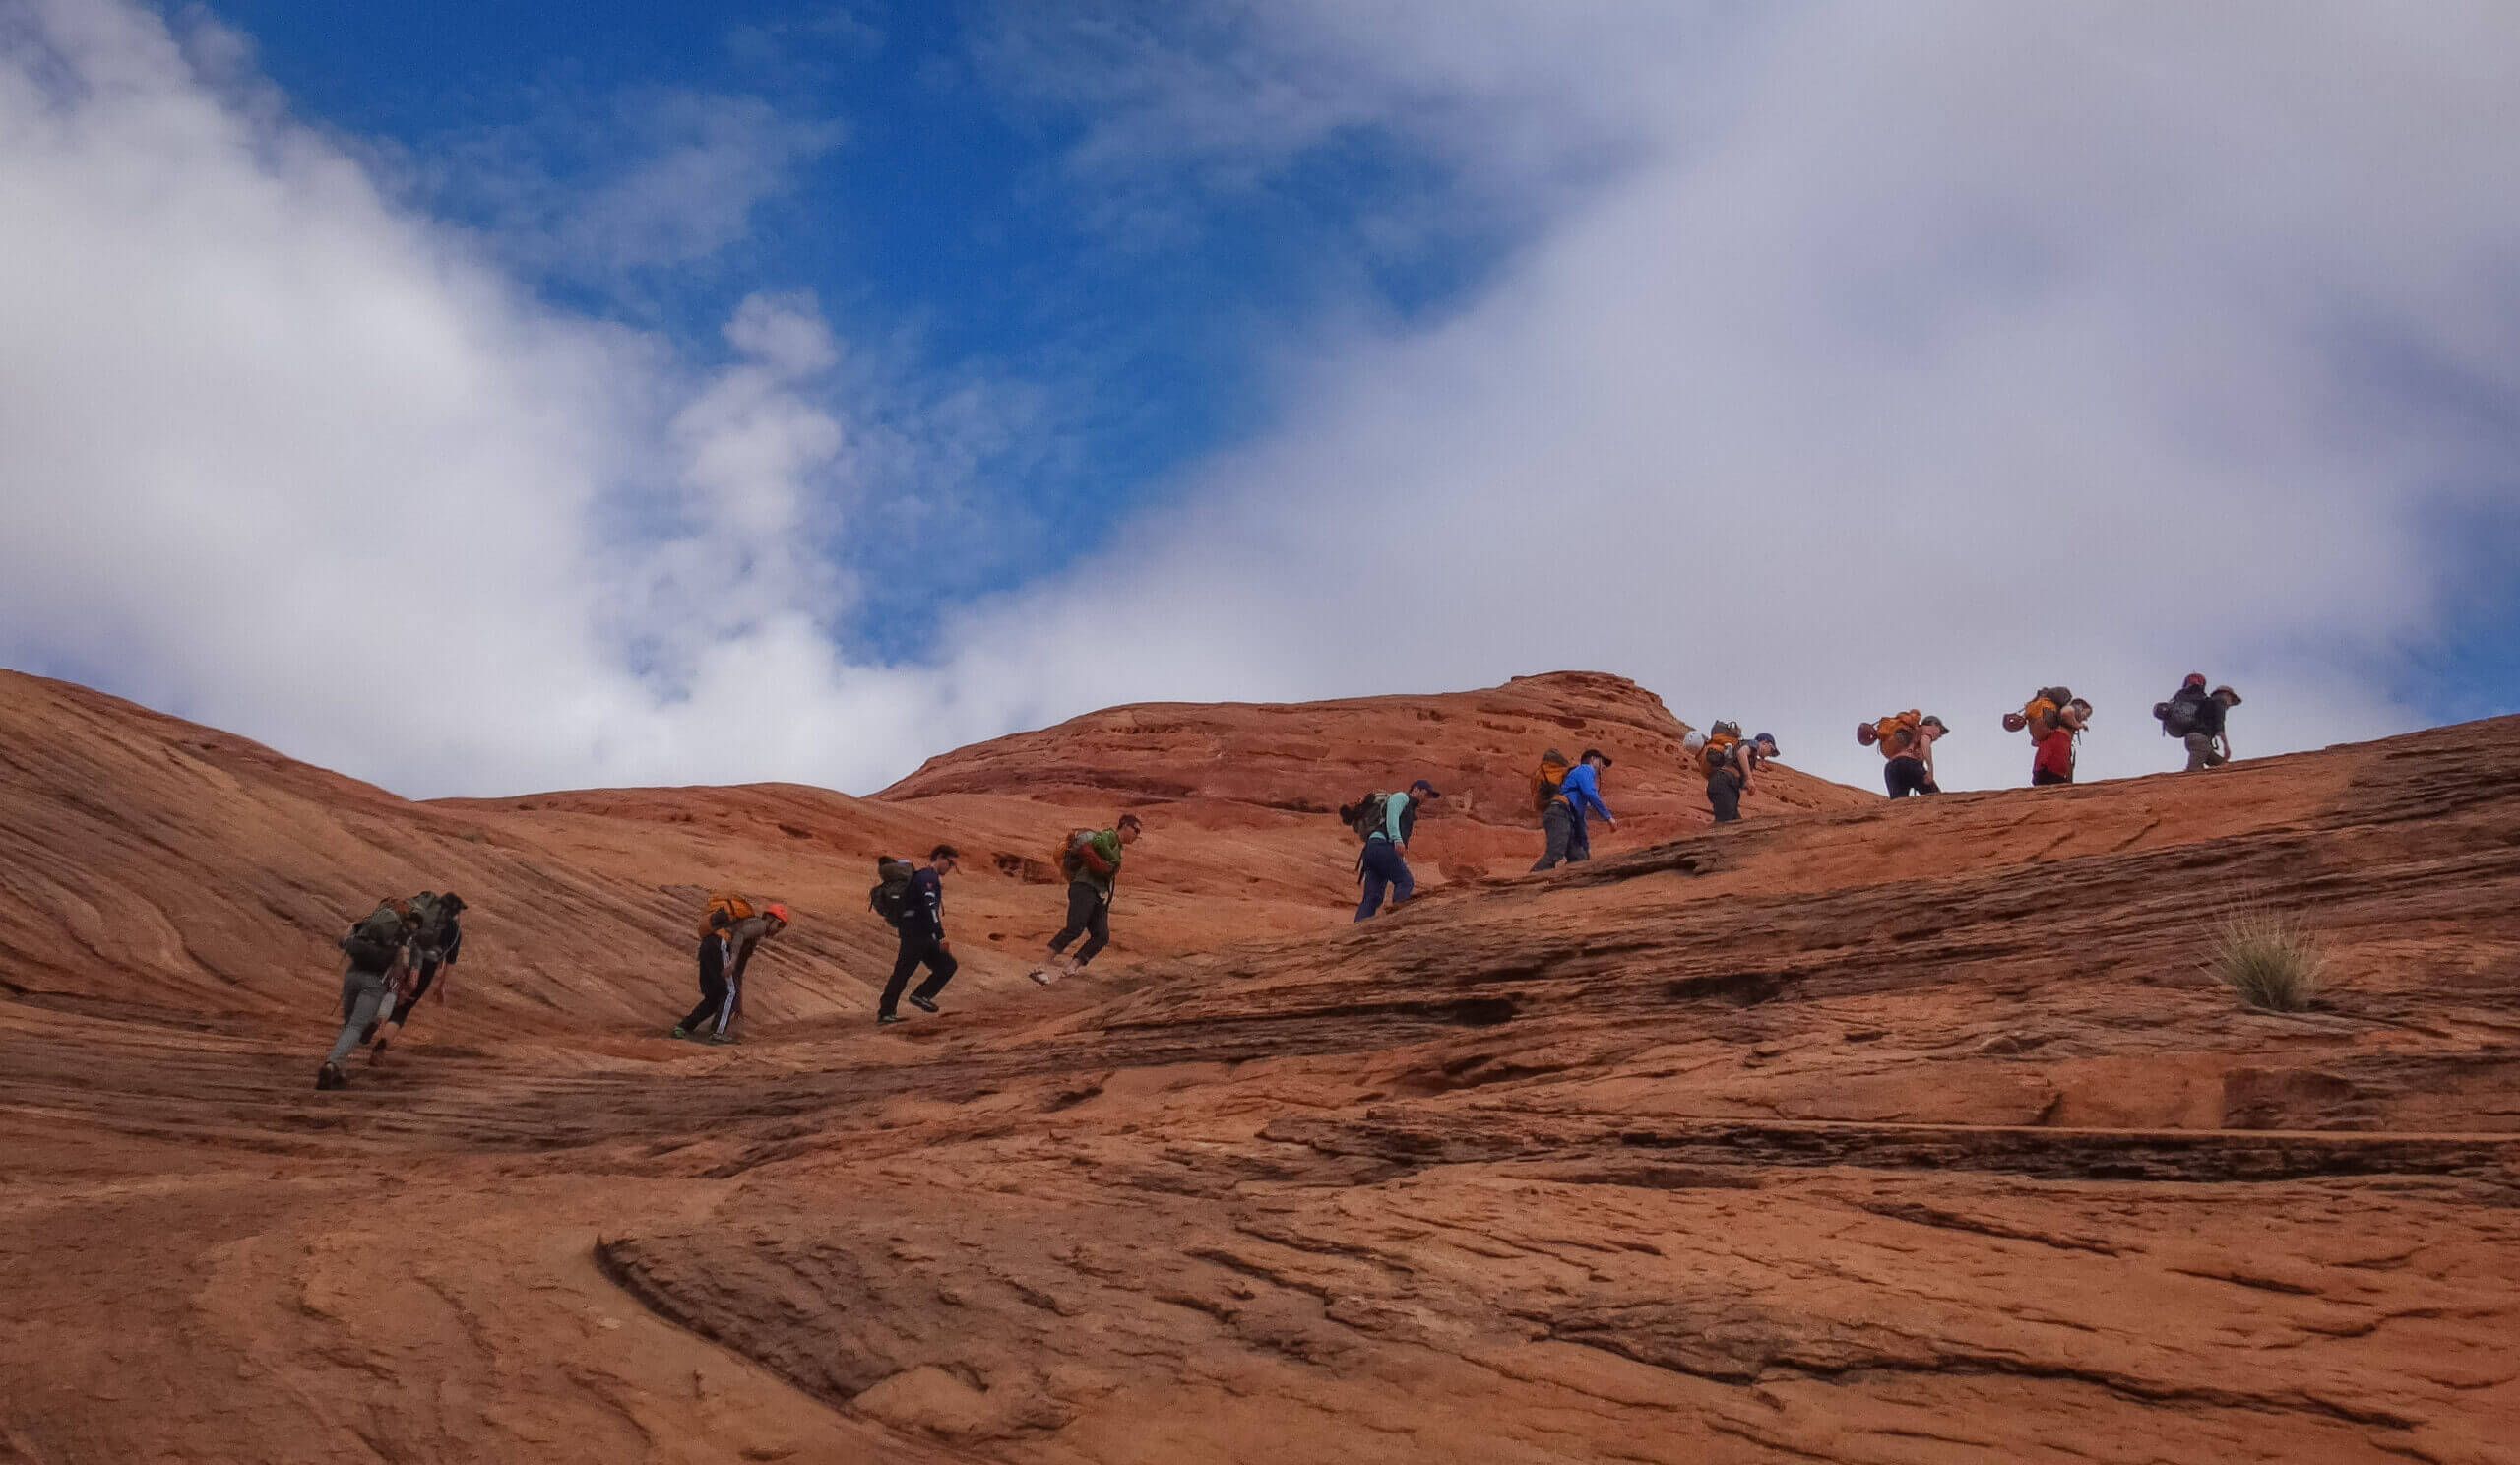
[2053,716]
[1091,861]
[744,938]
[2199,719]
[2053,756]
[1386,820]
[376,948]
[1730,766]
[1906,739]
[707,1023]
[922,923]
[439,938]
[1562,820]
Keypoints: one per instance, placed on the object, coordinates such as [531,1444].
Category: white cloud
[1913,354]
[596,189]
[281,458]
[1972,348]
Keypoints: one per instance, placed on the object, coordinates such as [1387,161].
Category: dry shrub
[2271,961]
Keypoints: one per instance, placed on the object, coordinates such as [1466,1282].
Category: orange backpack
[2040,715]
[1720,743]
[736,906]
[1893,733]
[1546,778]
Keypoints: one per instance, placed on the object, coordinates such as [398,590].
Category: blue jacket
[1582,786]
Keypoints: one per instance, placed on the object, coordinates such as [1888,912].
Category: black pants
[1089,915]
[1724,794]
[420,989]
[712,996]
[2040,777]
[1906,776]
[1568,840]
[917,946]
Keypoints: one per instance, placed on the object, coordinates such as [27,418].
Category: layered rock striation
[1859,1131]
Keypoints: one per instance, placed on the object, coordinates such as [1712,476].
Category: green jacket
[1103,847]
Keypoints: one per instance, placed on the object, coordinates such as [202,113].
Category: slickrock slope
[1278,773]
[210,874]
[1866,1132]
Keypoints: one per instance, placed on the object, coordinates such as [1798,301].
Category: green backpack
[373,943]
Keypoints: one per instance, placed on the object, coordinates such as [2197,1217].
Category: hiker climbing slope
[1385,823]
[916,909]
[2200,719]
[1091,861]
[708,1021]
[1562,821]
[376,950]
[751,930]
[2053,716]
[435,945]
[1906,741]
[1730,765]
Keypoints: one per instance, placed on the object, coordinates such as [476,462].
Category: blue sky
[931,207]
[745,392]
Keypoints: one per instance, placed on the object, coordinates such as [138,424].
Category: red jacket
[2057,754]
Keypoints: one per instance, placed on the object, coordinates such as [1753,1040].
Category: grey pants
[363,996]
[1568,840]
[2201,753]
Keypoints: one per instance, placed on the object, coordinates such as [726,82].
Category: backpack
[375,942]
[1893,733]
[736,906]
[2041,715]
[1722,746]
[2178,715]
[1366,816]
[1070,858]
[1547,778]
[892,894]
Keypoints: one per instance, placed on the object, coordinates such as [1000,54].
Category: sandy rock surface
[1861,1131]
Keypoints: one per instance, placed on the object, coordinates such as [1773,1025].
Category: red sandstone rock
[1859,1132]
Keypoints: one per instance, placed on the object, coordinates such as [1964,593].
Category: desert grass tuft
[2271,961]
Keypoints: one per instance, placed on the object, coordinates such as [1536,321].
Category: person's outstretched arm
[1587,792]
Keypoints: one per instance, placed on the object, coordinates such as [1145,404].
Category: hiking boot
[679,1032]
[718,1038]
[330,1076]
[376,1051]
[921,1003]
[886,1019]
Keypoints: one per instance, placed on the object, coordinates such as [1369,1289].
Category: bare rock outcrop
[1859,1131]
